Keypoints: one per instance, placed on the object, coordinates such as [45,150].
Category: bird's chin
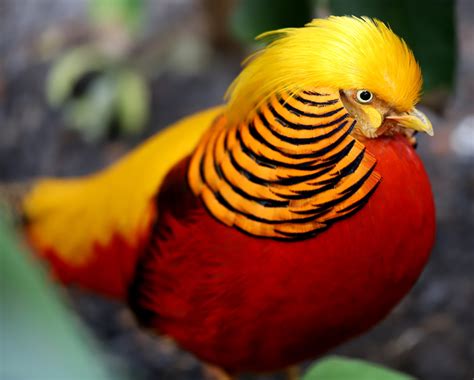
[364,131]
[388,128]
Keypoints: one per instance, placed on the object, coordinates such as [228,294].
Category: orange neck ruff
[286,173]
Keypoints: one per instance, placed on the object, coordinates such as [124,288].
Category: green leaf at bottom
[339,368]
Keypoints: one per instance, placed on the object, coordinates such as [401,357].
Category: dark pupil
[365,95]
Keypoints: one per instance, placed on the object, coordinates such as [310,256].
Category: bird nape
[270,229]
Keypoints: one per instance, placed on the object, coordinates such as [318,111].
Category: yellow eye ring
[364,96]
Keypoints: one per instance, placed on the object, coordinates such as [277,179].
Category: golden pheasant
[272,228]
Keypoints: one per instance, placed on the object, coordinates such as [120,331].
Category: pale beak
[414,120]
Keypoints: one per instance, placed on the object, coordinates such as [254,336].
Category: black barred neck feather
[287,173]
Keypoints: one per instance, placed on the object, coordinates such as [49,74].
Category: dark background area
[430,335]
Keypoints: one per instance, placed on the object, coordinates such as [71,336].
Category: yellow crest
[338,53]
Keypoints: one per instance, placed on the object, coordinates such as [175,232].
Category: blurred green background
[84,81]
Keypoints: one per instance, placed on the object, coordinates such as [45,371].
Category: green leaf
[129,13]
[339,368]
[68,69]
[427,26]
[132,103]
[253,17]
[91,114]
[39,338]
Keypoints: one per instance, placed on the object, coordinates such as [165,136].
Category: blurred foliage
[94,84]
[39,339]
[123,12]
[132,101]
[69,69]
[252,18]
[426,25]
[97,94]
[338,368]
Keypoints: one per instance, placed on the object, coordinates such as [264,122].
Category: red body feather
[109,272]
[248,303]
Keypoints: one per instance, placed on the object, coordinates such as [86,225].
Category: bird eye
[364,96]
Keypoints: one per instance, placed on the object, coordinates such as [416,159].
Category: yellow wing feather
[71,215]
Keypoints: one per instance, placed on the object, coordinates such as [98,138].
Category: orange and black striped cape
[288,172]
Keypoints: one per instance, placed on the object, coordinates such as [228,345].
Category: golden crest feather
[338,52]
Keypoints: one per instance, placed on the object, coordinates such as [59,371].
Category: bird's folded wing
[93,229]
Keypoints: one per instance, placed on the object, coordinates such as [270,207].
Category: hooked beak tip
[415,120]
